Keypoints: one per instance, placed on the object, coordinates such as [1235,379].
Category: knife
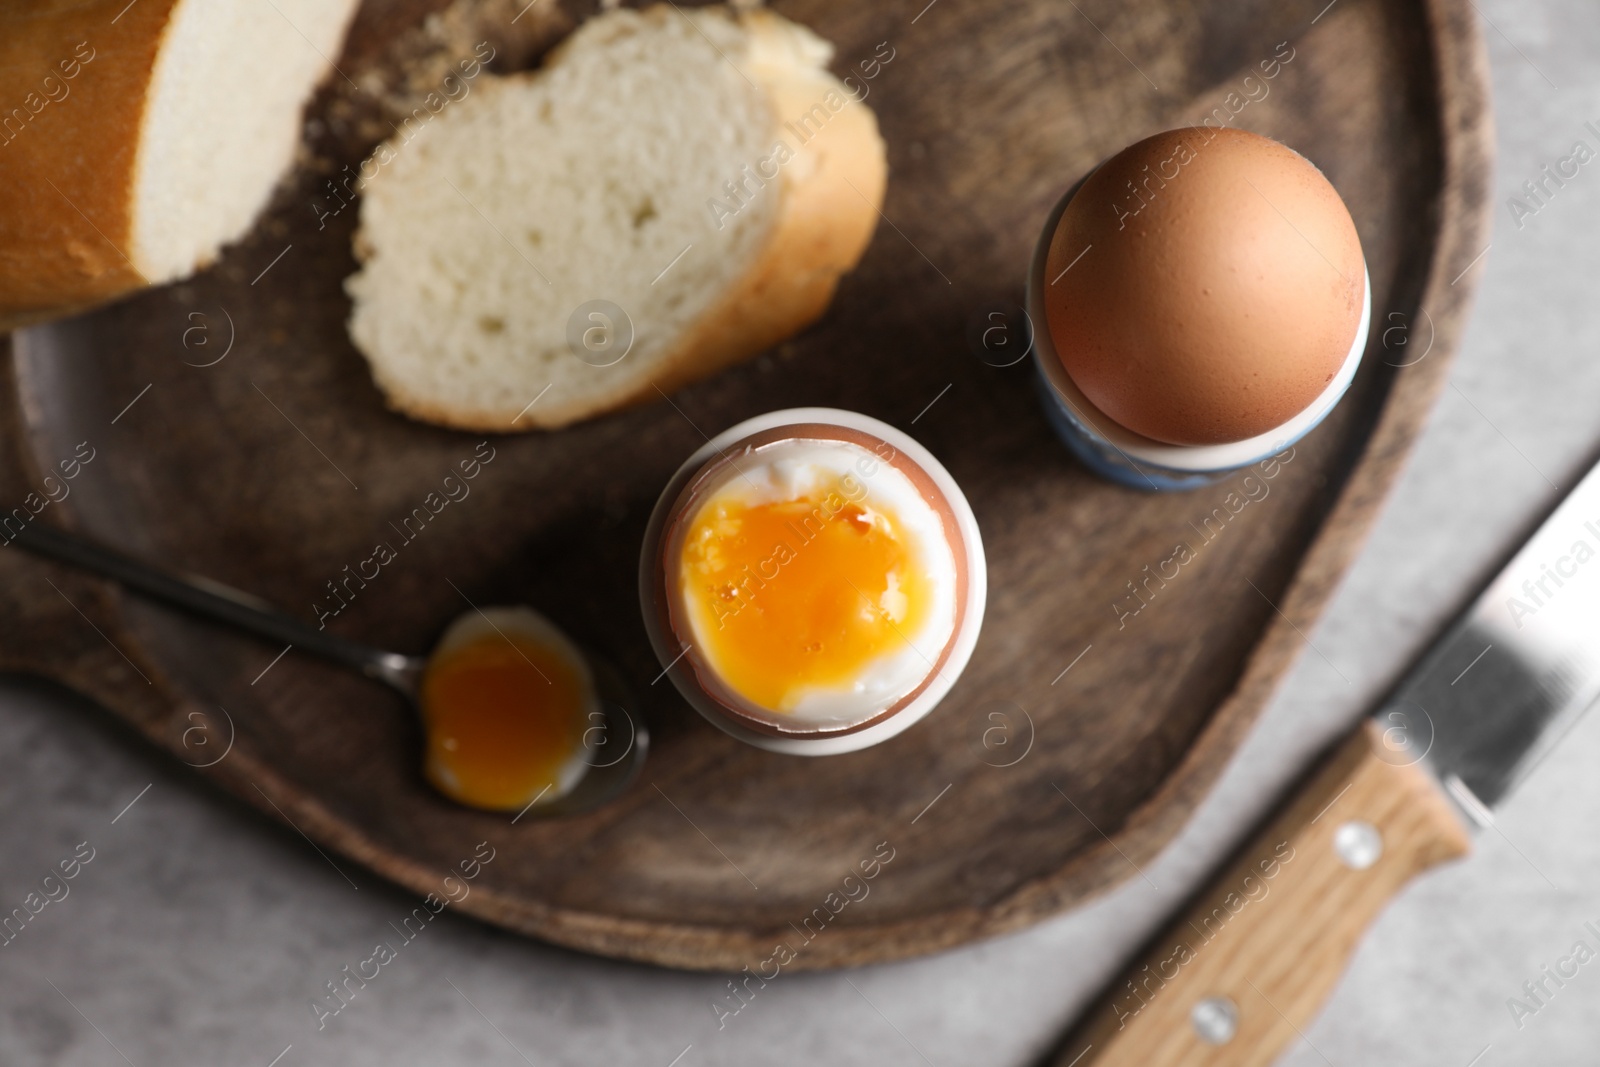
[1240,975]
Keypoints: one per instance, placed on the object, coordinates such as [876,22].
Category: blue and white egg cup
[1118,454]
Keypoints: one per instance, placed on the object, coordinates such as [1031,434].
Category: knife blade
[1507,681]
[1241,973]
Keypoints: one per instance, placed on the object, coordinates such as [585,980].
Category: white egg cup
[1117,453]
[681,660]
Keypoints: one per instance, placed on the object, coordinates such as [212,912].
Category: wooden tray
[278,466]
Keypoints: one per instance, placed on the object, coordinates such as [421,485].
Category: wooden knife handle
[1242,973]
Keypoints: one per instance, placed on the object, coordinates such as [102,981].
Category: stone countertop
[198,932]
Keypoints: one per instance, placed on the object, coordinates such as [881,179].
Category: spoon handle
[222,603]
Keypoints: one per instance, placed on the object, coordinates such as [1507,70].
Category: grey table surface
[198,933]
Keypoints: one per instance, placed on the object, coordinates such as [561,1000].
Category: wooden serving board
[1034,785]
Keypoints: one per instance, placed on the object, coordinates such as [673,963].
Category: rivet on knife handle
[1241,975]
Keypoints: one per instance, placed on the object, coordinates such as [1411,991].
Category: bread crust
[68,167]
[825,218]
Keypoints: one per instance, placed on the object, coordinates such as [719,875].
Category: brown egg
[1204,285]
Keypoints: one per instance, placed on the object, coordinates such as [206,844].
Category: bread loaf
[136,139]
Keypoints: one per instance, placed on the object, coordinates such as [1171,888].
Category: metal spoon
[608,772]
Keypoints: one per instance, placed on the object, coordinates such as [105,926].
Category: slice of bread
[695,178]
[136,139]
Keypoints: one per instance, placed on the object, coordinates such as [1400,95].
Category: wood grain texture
[1273,933]
[278,466]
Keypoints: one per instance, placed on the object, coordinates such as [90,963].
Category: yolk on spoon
[504,716]
[794,595]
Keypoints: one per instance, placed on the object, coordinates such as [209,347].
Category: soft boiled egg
[506,701]
[817,582]
[1204,286]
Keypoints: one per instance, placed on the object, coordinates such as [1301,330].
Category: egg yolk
[795,595]
[503,714]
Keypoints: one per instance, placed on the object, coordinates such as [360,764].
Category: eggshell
[1204,285]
